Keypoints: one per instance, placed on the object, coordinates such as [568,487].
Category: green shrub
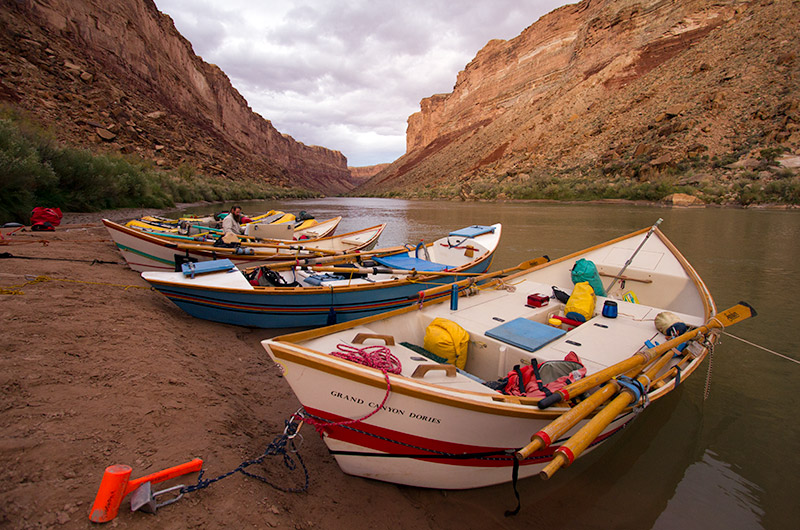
[35,171]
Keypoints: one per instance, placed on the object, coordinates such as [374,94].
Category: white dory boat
[304,297]
[147,251]
[431,425]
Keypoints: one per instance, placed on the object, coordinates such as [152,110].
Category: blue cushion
[202,267]
[472,231]
[525,334]
[403,261]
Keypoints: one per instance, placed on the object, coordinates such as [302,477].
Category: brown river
[728,461]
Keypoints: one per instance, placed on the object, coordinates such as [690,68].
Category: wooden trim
[406,386]
[625,278]
[708,302]
[361,337]
[422,369]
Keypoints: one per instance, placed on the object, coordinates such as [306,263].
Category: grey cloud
[346,74]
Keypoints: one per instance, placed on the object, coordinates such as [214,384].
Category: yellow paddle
[730,316]
[574,447]
[344,256]
[569,419]
[270,248]
[427,293]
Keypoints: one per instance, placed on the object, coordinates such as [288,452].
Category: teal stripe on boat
[145,255]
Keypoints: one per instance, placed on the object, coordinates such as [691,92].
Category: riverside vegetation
[35,170]
[763,182]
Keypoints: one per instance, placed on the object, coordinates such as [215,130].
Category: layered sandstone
[361,174]
[123,66]
[606,83]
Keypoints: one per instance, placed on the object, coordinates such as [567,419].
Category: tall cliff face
[124,66]
[606,83]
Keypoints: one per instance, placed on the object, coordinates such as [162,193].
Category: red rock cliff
[607,79]
[137,69]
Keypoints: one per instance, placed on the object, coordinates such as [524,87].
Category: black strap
[514,477]
[539,382]
[520,382]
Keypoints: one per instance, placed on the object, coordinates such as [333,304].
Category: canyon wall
[610,84]
[124,66]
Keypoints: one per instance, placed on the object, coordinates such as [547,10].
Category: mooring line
[761,347]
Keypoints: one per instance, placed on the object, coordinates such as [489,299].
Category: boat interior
[458,249]
[506,330]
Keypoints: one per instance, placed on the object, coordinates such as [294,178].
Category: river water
[729,461]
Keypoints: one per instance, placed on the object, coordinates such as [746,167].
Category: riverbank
[100,370]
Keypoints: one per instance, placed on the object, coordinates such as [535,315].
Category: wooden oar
[723,319]
[267,246]
[578,442]
[388,270]
[569,419]
[344,256]
[495,276]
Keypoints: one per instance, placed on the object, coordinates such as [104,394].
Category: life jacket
[263,276]
[539,380]
[42,227]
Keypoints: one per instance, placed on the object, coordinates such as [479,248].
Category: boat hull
[434,426]
[418,439]
[301,307]
[148,252]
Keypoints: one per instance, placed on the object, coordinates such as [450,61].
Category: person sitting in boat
[231,223]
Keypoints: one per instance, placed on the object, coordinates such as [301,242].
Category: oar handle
[725,318]
[575,446]
[549,401]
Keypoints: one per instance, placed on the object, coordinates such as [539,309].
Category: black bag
[561,296]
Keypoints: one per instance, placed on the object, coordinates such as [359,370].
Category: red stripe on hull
[374,438]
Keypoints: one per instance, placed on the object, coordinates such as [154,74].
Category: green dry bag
[585,271]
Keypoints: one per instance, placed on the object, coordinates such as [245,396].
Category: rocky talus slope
[695,93]
[117,76]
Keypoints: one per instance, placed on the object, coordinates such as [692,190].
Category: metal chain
[710,346]
[277,447]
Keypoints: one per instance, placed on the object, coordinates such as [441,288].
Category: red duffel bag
[46,215]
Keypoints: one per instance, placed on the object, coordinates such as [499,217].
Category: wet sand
[99,369]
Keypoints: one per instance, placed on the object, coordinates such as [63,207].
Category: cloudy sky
[346,74]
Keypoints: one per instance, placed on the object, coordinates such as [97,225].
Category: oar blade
[735,314]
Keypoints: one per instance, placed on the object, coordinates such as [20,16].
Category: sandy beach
[99,369]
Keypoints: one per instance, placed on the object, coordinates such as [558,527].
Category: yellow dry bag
[447,339]
[580,305]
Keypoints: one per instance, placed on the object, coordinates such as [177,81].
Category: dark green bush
[36,171]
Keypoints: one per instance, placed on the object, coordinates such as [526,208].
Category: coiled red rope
[376,356]
[379,357]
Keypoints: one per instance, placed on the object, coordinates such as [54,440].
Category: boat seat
[472,231]
[410,359]
[525,334]
[405,262]
[203,267]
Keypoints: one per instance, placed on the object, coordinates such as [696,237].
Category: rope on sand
[15,289]
[8,255]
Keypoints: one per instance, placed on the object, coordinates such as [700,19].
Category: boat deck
[599,343]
